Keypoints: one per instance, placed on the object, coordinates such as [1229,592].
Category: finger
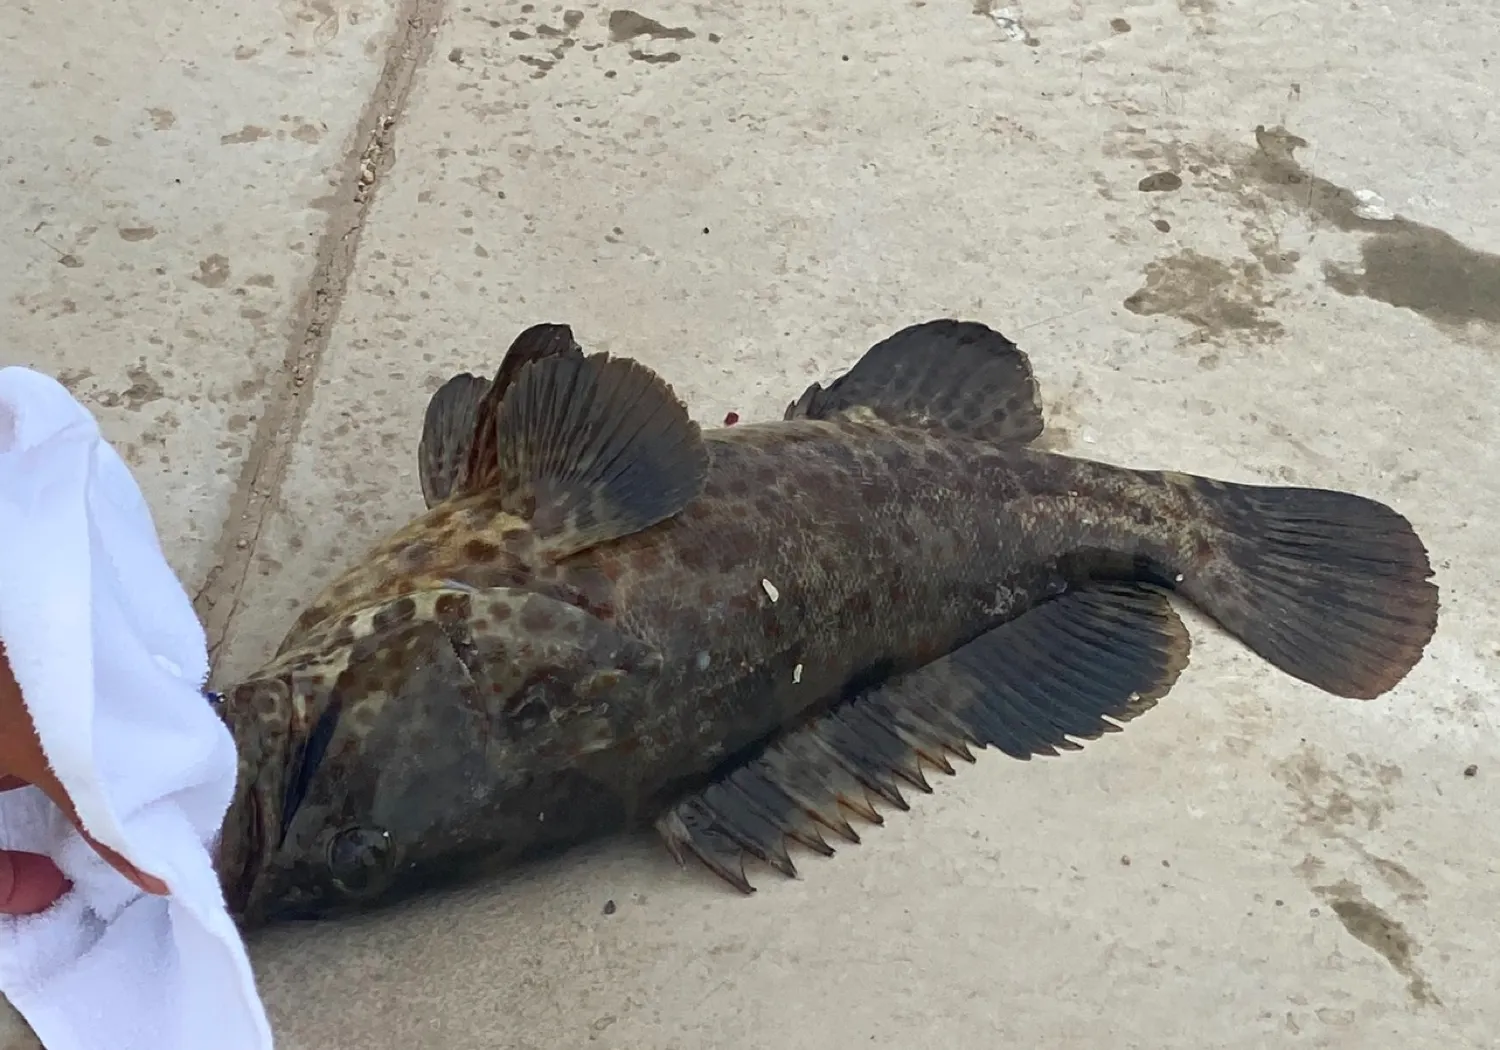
[54,790]
[29,883]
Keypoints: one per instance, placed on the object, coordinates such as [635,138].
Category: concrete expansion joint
[371,155]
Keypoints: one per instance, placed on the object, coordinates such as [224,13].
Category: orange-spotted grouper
[610,619]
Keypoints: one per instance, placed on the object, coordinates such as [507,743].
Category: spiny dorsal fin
[589,449]
[960,376]
[1070,668]
[447,434]
[470,455]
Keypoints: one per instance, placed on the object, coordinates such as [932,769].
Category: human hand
[31,882]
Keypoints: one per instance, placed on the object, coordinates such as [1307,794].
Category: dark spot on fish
[708,593]
[736,545]
[686,621]
[537,617]
[500,611]
[765,474]
[397,612]
[417,554]
[452,607]
[647,559]
[692,556]
[515,537]
[739,487]
[741,604]
[481,550]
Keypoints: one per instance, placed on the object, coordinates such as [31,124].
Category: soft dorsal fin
[465,406]
[960,376]
[589,449]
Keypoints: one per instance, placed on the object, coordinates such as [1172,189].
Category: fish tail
[1333,588]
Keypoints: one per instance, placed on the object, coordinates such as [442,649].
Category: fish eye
[359,859]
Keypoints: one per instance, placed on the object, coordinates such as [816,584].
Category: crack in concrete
[291,392]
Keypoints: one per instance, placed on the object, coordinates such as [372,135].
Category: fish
[608,619]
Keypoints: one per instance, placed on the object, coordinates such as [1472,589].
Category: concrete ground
[255,237]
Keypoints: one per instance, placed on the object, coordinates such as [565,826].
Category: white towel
[111,660]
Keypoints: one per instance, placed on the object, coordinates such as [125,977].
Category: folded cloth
[111,661]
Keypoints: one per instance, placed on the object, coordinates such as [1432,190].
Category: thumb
[29,883]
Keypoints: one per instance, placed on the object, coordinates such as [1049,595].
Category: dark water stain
[1406,264]
[666,58]
[1160,182]
[1387,936]
[1216,297]
[213,271]
[627,25]
[143,389]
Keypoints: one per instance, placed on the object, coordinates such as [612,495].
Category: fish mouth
[242,847]
[243,837]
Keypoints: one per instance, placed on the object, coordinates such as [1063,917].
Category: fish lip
[242,851]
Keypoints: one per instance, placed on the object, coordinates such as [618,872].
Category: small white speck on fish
[703,659]
[797,675]
[770,589]
[1179,577]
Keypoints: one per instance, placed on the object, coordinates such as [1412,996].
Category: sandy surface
[254,238]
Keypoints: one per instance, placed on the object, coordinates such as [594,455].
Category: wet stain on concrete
[1160,182]
[627,25]
[1405,264]
[137,233]
[1216,297]
[666,58]
[1402,263]
[248,133]
[1330,800]
[162,119]
[213,271]
[1387,936]
[1119,25]
[143,390]
[1200,13]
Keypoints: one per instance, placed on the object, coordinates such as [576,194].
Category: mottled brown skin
[487,705]
[887,547]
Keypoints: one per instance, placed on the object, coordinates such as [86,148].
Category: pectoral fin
[1069,669]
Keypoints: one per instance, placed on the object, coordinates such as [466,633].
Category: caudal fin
[1333,588]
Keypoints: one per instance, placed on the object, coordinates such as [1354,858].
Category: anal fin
[959,376]
[1071,669]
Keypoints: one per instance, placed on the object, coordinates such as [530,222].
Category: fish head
[408,741]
